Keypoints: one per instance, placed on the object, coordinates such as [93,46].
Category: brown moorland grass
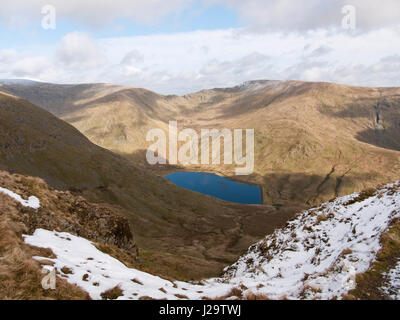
[112,294]
[20,275]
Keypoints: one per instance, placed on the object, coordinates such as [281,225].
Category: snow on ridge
[32,201]
[315,256]
[318,254]
[257,85]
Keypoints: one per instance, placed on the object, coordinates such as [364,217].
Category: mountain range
[313,142]
[189,234]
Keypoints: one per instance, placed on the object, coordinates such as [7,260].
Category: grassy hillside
[20,274]
[179,232]
[314,141]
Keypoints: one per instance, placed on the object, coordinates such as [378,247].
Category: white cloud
[30,67]
[7,56]
[246,66]
[321,51]
[233,57]
[132,57]
[272,14]
[314,14]
[92,12]
[79,51]
[13,64]
[285,39]
[187,62]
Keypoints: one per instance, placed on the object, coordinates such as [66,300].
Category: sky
[183,46]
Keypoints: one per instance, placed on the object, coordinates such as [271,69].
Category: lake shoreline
[217,186]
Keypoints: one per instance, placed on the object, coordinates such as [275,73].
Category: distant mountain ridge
[314,140]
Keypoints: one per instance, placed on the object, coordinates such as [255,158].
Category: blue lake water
[217,186]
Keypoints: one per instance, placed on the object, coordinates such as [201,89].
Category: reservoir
[217,187]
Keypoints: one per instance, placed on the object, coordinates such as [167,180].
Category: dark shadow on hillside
[143,100]
[306,190]
[361,108]
[282,189]
[387,139]
[263,99]
[138,158]
[382,117]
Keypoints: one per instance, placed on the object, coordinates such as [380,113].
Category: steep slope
[109,115]
[22,213]
[60,99]
[320,253]
[180,233]
[314,141]
[324,253]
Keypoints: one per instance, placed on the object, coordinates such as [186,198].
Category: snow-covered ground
[318,254]
[32,201]
[392,287]
[104,272]
[315,256]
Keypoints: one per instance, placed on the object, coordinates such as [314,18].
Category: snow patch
[32,201]
[392,287]
[96,272]
[261,85]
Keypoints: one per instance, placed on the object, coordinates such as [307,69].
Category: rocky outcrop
[65,212]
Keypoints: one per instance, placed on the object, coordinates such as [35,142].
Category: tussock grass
[256,296]
[20,275]
[365,194]
[146,298]
[112,294]
[137,281]
[181,296]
